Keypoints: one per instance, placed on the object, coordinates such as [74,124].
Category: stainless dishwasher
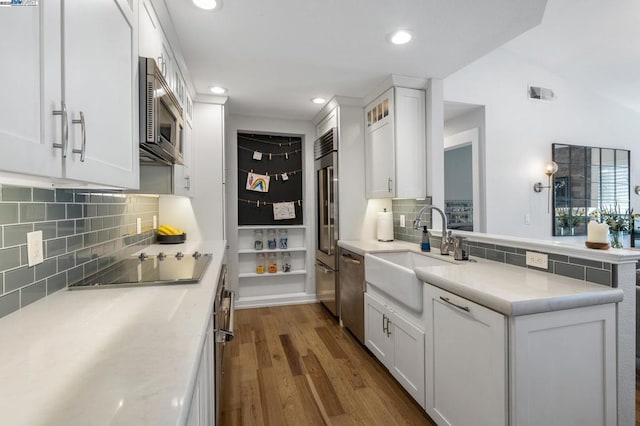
[352,288]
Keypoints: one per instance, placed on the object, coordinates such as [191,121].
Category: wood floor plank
[270,397]
[323,385]
[330,342]
[293,357]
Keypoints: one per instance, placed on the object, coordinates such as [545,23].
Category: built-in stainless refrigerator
[326,167]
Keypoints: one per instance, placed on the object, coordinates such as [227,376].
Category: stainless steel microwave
[161,123]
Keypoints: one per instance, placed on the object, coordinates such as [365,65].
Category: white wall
[203,215]
[306,129]
[519,133]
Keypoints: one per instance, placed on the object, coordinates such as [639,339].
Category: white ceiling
[590,42]
[274,56]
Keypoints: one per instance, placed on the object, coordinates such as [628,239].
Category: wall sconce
[550,169]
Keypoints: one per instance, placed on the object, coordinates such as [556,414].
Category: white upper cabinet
[70,101]
[31,89]
[100,59]
[395,145]
[149,33]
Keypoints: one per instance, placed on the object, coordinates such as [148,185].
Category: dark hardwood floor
[294,365]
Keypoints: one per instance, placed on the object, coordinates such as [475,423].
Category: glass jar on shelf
[260,263]
[271,239]
[286,262]
[258,239]
[283,239]
[272,264]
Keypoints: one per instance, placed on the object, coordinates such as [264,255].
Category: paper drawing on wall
[283,211]
[257,183]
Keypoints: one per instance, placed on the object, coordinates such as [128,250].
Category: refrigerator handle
[330,248]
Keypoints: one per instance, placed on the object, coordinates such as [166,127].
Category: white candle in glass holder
[597,232]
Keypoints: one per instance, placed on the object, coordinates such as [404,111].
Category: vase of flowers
[618,224]
[562,219]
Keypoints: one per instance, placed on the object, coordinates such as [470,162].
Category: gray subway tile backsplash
[16,234]
[20,277]
[33,292]
[9,213]
[569,270]
[46,195]
[9,303]
[56,211]
[83,231]
[16,193]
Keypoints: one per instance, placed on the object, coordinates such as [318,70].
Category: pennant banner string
[268,203]
[291,172]
[275,154]
[278,142]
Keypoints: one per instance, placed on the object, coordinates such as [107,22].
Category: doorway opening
[464,190]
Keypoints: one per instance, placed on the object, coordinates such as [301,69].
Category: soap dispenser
[424,245]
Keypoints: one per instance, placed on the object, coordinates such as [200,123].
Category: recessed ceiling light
[400,37]
[208,4]
[218,90]
[318,100]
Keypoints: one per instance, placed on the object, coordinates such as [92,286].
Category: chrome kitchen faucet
[447,238]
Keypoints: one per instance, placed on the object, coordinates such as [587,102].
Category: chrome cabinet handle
[446,299]
[388,328]
[384,325]
[83,128]
[65,129]
[389,180]
[187,182]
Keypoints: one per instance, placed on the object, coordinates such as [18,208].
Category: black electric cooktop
[148,270]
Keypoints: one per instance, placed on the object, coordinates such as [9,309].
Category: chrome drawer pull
[65,130]
[84,137]
[446,299]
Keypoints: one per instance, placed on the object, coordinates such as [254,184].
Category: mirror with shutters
[588,179]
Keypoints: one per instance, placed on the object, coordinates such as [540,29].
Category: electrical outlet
[155,222]
[527,219]
[538,260]
[35,252]
[139,225]
[402,222]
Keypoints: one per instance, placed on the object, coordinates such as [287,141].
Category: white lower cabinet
[202,408]
[466,368]
[551,368]
[397,343]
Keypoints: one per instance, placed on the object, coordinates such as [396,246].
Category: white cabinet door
[201,412]
[182,173]
[466,363]
[31,89]
[380,161]
[407,364]
[563,367]
[376,334]
[100,60]
[410,155]
[149,32]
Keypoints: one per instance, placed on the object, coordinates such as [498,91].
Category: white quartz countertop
[362,247]
[125,356]
[513,290]
[509,289]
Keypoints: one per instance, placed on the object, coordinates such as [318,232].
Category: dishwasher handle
[229,310]
[348,258]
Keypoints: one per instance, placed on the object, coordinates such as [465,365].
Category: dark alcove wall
[280,154]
